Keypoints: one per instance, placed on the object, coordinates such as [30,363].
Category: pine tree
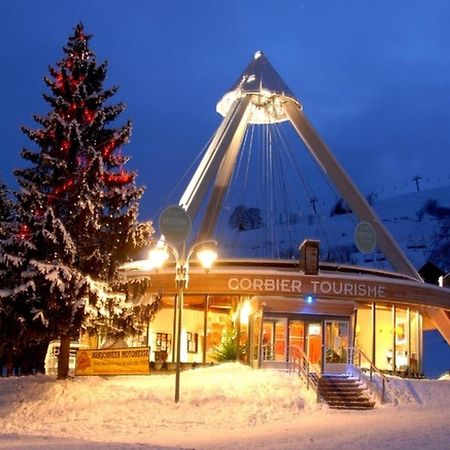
[77,200]
[20,327]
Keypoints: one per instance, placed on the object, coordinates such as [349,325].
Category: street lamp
[206,253]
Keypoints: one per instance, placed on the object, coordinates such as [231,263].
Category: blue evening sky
[374,77]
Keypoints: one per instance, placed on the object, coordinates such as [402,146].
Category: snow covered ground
[222,407]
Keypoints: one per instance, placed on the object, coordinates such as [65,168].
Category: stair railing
[355,358]
[300,363]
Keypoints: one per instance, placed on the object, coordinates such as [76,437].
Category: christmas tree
[77,201]
[20,332]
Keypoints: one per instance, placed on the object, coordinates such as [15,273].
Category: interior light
[245,312]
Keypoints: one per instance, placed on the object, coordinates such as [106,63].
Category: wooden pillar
[374,333]
[352,342]
[205,328]
[238,330]
[420,339]
[394,338]
[260,338]
[408,320]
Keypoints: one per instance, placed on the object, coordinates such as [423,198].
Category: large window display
[390,336]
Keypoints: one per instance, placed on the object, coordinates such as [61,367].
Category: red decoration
[88,115]
[24,231]
[108,148]
[59,80]
[65,145]
[58,190]
[39,213]
[74,82]
[119,179]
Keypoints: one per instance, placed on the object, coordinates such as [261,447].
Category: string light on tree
[90,199]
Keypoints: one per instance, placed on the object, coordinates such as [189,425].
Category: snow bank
[227,406]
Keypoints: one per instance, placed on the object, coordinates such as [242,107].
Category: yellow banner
[113,361]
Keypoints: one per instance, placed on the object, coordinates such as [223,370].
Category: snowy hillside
[222,407]
[405,216]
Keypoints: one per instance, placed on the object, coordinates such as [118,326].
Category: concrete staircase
[344,392]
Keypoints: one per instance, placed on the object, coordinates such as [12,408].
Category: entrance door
[296,337]
[274,340]
[314,345]
[336,346]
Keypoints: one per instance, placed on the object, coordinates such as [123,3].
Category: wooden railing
[355,359]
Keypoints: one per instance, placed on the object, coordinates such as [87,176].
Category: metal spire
[267,91]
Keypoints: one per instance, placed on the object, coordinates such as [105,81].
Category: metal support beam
[441,319]
[198,186]
[348,190]
[222,181]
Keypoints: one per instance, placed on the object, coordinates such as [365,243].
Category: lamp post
[206,254]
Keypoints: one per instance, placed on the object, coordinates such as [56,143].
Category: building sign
[365,237]
[113,361]
[175,224]
[316,287]
[292,283]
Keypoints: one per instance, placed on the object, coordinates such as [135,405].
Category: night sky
[374,77]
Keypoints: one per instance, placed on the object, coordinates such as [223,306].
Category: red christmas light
[65,145]
[24,231]
[62,188]
[59,80]
[118,178]
[88,116]
[74,82]
[108,148]
[39,213]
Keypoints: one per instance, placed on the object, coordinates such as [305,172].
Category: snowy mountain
[419,221]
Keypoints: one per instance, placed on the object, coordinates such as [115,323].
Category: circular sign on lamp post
[175,224]
[365,237]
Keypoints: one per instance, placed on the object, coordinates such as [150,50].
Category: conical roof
[268,92]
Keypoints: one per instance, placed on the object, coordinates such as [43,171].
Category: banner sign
[113,361]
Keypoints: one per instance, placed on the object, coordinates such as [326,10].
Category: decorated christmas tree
[21,306]
[78,204]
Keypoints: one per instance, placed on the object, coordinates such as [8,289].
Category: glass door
[296,337]
[274,340]
[314,345]
[336,346]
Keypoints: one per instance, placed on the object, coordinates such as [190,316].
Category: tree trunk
[63,358]
[9,363]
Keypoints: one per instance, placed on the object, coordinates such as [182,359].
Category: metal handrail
[352,352]
[297,359]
